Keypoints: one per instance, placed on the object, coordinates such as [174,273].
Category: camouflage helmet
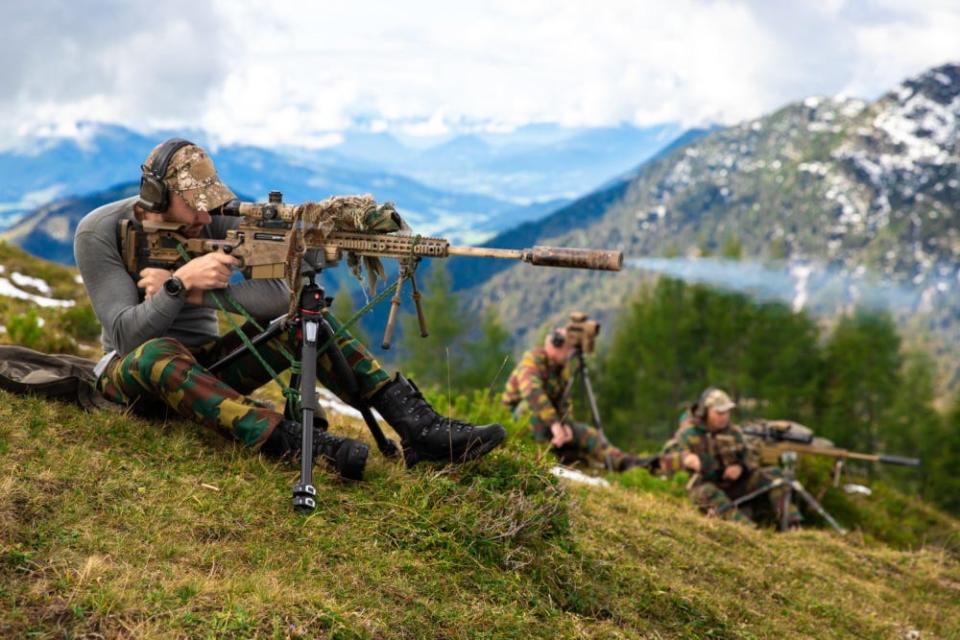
[191,174]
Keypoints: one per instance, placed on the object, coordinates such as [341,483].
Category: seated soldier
[714,451]
[537,389]
[160,329]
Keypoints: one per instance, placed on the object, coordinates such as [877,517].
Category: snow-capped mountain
[854,198]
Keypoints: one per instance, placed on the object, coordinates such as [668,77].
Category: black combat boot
[346,455]
[426,435]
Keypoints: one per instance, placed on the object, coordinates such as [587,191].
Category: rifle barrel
[833,452]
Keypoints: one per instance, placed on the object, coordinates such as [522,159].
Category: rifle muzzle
[574,258]
[899,460]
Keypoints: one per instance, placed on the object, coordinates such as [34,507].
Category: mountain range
[855,201]
[467,187]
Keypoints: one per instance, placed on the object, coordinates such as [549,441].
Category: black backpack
[58,376]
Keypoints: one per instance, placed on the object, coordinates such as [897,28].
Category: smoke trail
[803,285]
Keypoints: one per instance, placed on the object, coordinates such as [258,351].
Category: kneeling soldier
[715,452]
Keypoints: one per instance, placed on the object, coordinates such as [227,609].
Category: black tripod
[583,373]
[791,485]
[309,328]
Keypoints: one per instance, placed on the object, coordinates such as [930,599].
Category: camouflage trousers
[711,497]
[164,370]
[588,445]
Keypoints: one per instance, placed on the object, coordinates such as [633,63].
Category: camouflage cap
[718,400]
[191,174]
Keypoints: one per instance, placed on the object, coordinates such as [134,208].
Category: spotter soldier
[536,390]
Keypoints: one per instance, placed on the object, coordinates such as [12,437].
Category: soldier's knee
[157,350]
[708,494]
[162,347]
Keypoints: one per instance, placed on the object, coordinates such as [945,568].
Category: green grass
[122,527]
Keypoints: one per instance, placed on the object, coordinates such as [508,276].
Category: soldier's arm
[113,293]
[264,299]
[542,412]
[671,458]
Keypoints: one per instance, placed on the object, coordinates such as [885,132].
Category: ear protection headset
[154,193]
[700,411]
[557,338]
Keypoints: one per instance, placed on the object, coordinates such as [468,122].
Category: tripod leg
[750,496]
[816,506]
[592,400]
[785,506]
[304,493]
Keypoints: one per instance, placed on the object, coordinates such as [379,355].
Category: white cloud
[295,72]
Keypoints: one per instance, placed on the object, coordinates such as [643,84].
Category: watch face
[173,286]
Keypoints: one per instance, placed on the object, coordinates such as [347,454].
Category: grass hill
[115,526]
[118,526]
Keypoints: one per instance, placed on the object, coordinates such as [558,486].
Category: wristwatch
[174,287]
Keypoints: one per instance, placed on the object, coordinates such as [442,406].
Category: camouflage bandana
[192,175]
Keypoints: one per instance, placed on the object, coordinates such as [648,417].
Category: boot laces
[423,412]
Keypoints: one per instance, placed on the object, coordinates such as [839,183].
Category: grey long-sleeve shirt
[127,322]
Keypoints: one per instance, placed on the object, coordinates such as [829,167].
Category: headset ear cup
[557,339]
[701,412]
[154,192]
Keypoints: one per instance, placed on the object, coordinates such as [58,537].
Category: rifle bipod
[308,329]
[791,485]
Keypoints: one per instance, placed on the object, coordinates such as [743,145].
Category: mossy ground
[116,526]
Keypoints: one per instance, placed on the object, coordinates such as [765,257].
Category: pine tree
[915,428]
[488,357]
[861,379]
[343,309]
[439,359]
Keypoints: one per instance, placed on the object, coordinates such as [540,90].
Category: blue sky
[298,72]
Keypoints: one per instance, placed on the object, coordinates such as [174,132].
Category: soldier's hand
[209,271]
[691,461]
[151,280]
[733,472]
[562,434]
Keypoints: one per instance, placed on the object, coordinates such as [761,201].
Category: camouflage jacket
[535,388]
[717,450]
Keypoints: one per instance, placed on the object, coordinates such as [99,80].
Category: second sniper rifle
[774,437]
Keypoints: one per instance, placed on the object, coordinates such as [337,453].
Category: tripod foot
[304,498]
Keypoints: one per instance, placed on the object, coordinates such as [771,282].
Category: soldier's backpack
[59,376]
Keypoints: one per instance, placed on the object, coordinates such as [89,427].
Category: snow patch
[330,402]
[27,281]
[578,476]
[10,290]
